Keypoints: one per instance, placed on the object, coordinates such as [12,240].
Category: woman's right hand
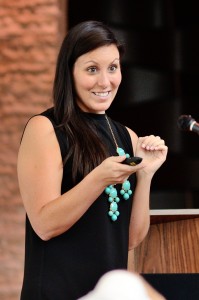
[113,171]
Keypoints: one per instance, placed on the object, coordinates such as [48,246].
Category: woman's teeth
[102,94]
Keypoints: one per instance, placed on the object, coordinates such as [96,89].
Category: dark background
[160,83]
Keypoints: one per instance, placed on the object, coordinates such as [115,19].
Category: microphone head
[185,121]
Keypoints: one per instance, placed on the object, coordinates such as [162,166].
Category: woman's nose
[103,80]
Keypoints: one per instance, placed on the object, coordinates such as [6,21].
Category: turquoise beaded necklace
[111,191]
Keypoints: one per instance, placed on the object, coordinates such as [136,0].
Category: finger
[156,144]
[162,148]
[118,158]
[144,141]
[152,142]
[125,179]
[159,145]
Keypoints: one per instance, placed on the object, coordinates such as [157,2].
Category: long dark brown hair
[82,38]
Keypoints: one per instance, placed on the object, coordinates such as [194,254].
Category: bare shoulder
[38,127]
[133,135]
[39,124]
[39,135]
[39,144]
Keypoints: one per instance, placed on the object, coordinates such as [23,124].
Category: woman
[85,207]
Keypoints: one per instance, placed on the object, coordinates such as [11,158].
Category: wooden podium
[168,258]
[172,243]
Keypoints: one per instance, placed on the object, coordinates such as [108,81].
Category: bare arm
[153,151]
[40,173]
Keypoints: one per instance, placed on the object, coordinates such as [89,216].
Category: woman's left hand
[153,151]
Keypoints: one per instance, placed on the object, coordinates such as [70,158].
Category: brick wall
[30,35]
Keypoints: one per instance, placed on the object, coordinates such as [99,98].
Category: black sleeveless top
[68,266]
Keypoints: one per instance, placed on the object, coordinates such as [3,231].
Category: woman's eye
[113,68]
[92,69]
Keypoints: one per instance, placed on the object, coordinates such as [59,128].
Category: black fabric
[175,286]
[69,265]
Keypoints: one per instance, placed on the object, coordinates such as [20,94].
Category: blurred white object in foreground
[121,284]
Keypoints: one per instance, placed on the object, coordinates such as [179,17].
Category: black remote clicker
[132,161]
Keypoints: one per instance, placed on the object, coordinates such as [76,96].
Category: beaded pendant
[111,191]
[114,200]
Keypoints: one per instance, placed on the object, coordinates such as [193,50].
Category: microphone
[187,123]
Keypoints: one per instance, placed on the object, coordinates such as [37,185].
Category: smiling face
[97,76]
